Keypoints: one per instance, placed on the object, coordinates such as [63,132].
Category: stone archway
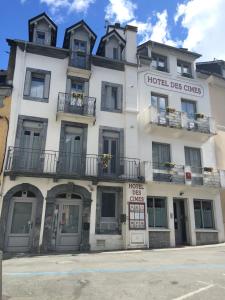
[34,246]
[49,234]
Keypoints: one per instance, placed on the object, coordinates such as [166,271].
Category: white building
[99,155]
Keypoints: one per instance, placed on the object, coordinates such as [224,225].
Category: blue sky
[195,24]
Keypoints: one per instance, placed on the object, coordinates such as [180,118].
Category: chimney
[131,43]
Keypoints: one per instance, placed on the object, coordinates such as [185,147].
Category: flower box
[208,169]
[170,110]
[200,116]
[169,165]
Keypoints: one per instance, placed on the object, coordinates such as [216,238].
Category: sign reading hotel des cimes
[174,85]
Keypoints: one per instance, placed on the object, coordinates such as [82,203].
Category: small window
[184,69]
[115,53]
[157,215]
[108,209]
[40,37]
[159,62]
[203,214]
[189,108]
[111,97]
[37,85]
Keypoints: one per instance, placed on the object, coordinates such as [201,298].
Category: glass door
[110,147]
[69,225]
[20,224]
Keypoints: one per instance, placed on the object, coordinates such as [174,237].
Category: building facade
[5,104]
[214,73]
[107,151]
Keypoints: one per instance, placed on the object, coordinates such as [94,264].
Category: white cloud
[144,29]
[204,21]
[71,5]
[160,31]
[120,10]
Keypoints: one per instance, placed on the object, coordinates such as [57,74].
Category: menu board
[137,216]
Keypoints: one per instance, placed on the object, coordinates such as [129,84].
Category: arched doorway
[67,218]
[21,219]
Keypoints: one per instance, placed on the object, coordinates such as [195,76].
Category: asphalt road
[172,274]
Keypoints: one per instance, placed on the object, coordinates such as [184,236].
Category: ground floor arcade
[38,214]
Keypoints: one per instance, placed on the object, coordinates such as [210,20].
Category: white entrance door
[20,224]
[69,224]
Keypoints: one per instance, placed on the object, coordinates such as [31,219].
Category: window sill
[118,111]
[35,99]
[179,76]
[158,229]
[167,73]
[206,230]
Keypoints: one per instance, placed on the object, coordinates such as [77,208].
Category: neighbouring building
[5,104]
[214,73]
[113,150]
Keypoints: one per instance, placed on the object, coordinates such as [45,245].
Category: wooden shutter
[27,83]
[47,85]
[119,97]
[103,96]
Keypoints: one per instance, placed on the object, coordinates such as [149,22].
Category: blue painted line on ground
[127,270]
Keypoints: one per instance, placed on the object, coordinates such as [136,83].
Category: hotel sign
[174,85]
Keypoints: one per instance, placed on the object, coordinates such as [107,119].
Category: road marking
[195,292]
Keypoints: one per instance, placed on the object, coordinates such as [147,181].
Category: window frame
[154,198]
[119,100]
[182,64]
[157,57]
[38,39]
[27,85]
[183,100]
[116,205]
[202,215]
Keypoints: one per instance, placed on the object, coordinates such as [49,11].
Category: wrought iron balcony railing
[180,120]
[79,59]
[70,165]
[76,104]
[189,175]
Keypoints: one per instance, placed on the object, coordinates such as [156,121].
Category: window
[157,215]
[40,39]
[159,62]
[111,97]
[37,85]
[79,58]
[189,107]
[108,210]
[160,102]
[160,155]
[80,46]
[193,159]
[115,53]
[184,68]
[203,214]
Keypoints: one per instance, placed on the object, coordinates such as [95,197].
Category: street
[170,274]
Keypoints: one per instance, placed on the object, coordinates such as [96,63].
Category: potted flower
[169,165]
[170,110]
[208,169]
[105,158]
[200,116]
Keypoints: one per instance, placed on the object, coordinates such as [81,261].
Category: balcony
[83,107]
[177,124]
[58,165]
[184,175]
[79,64]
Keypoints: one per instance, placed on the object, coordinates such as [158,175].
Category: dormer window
[80,46]
[40,39]
[159,62]
[184,68]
